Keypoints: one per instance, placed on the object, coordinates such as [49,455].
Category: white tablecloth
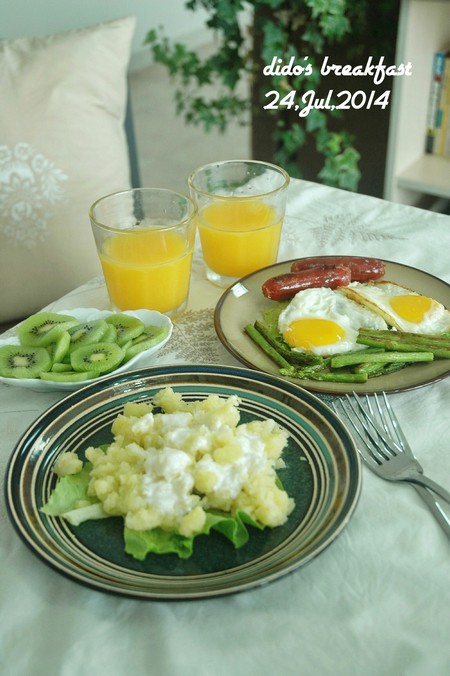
[377,601]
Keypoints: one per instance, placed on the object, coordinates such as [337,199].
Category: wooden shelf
[424,28]
[429,174]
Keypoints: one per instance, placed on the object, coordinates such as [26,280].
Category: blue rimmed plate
[322,474]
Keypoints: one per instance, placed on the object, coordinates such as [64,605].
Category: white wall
[24,18]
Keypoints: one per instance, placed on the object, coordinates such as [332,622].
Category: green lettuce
[272,314]
[68,492]
[234,527]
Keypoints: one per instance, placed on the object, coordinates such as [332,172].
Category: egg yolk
[313,332]
[411,308]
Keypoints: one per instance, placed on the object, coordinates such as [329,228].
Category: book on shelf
[437,140]
[442,139]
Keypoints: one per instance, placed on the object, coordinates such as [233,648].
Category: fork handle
[423,480]
[440,516]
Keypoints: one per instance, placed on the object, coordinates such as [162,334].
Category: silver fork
[386,451]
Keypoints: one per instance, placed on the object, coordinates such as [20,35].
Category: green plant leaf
[341,171]
[281,28]
[291,138]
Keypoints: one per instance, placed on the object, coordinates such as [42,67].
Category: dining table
[375,601]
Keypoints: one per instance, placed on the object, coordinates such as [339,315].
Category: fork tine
[378,413]
[389,422]
[369,454]
[378,449]
[370,450]
[403,442]
[384,416]
[388,444]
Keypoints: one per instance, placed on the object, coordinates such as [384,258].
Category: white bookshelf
[411,174]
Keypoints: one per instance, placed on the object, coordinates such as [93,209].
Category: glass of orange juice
[241,206]
[145,240]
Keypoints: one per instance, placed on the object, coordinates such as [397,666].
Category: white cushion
[62,146]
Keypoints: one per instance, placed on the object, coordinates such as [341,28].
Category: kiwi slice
[59,347]
[20,361]
[87,333]
[41,329]
[61,367]
[127,327]
[68,376]
[151,336]
[98,357]
[110,335]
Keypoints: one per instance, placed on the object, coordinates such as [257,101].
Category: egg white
[325,305]
[399,307]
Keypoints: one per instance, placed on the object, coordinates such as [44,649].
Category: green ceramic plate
[243,302]
[322,474]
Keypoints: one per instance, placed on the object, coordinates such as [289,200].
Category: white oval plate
[87,314]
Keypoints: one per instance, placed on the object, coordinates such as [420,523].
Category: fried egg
[402,308]
[325,322]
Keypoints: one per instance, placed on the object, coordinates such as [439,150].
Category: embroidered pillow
[62,146]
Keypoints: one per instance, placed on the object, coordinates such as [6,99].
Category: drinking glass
[145,239]
[241,206]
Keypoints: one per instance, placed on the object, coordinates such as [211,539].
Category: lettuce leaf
[234,528]
[90,512]
[68,492]
[157,541]
[272,314]
[139,543]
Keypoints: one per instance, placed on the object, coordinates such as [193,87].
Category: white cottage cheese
[167,469]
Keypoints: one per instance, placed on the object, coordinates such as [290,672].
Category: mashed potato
[68,463]
[166,469]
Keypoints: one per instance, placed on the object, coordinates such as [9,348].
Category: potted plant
[282,54]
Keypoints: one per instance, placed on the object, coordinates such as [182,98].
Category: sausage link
[285,286]
[362,269]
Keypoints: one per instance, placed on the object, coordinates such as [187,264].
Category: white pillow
[62,146]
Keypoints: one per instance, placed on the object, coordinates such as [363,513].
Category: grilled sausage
[362,269]
[285,286]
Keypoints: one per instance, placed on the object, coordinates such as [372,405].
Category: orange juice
[239,237]
[133,282]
